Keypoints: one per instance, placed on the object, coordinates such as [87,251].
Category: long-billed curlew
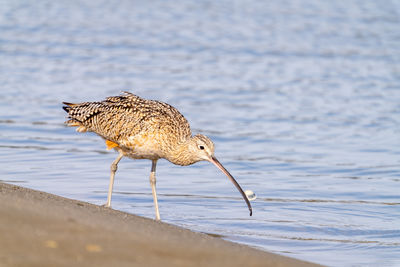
[144,129]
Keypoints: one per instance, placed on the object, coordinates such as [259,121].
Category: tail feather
[68,106]
[73,123]
[79,114]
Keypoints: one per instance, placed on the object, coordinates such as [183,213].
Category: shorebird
[144,129]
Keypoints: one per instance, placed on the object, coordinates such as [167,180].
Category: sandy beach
[41,229]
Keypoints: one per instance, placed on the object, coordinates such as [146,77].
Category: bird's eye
[201,147]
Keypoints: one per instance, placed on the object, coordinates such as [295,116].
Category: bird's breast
[144,146]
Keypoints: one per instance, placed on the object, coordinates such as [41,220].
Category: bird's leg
[153,187]
[114,167]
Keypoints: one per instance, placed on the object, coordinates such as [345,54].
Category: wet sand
[41,229]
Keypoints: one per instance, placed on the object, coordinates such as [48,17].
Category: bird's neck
[181,155]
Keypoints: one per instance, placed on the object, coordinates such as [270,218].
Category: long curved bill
[219,165]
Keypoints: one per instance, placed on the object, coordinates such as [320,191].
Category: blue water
[302,99]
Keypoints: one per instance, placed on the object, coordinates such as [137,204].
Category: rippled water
[302,99]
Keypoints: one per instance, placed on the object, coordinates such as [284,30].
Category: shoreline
[42,229]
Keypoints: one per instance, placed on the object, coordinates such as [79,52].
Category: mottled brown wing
[118,117]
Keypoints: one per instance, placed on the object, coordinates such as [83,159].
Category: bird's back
[131,122]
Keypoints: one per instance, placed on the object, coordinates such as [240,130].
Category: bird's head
[201,148]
